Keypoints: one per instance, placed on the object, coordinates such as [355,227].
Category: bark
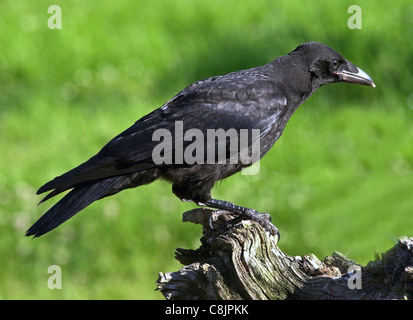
[244,262]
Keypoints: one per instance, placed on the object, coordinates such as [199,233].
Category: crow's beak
[355,75]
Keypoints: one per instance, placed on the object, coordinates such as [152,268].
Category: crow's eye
[335,64]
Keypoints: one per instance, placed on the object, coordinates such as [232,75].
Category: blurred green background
[340,178]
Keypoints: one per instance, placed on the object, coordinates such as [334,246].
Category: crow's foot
[263,219]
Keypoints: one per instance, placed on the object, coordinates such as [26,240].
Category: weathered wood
[244,262]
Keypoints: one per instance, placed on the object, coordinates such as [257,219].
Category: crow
[261,99]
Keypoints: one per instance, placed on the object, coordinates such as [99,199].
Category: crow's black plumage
[262,98]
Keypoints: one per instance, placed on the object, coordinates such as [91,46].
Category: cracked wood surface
[244,262]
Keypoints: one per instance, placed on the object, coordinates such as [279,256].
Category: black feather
[75,201]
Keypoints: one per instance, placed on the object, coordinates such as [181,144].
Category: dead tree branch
[244,262]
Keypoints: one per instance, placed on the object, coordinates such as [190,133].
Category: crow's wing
[207,104]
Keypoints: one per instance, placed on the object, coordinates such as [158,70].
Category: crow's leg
[244,214]
[229,206]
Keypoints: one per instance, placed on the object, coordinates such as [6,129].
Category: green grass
[340,178]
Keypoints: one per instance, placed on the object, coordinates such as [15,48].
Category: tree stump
[244,262]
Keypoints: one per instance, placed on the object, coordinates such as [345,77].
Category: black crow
[172,142]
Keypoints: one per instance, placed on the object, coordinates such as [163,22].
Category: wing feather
[218,102]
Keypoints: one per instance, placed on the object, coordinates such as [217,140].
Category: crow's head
[327,66]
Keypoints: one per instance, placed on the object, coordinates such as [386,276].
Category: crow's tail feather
[75,201]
